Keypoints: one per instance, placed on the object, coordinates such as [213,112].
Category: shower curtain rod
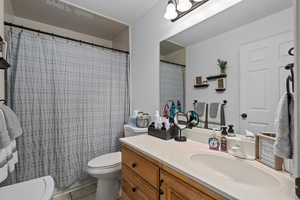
[172,63]
[63,37]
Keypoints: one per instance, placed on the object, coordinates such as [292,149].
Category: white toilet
[107,169]
[36,189]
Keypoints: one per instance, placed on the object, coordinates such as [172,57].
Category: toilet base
[108,189]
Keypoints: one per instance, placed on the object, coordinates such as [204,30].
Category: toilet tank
[134,131]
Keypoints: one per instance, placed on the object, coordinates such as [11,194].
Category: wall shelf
[216,77]
[221,89]
[201,86]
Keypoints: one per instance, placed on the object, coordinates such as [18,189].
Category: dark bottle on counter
[163,128]
[231,131]
[223,143]
[224,130]
[223,139]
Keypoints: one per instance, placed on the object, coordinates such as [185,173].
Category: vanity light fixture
[171,12]
[178,8]
[184,5]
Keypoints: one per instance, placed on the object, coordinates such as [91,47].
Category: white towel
[283,146]
[3,165]
[201,109]
[8,152]
[214,115]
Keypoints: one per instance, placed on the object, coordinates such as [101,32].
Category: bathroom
[130,99]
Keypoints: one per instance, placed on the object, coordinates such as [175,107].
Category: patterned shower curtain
[72,101]
[172,80]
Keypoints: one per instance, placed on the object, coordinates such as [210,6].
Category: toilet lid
[36,189]
[106,160]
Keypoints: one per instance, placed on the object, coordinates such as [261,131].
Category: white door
[262,80]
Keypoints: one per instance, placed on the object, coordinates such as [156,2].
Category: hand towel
[215,115]
[3,165]
[12,122]
[10,129]
[201,109]
[4,136]
[4,145]
[283,146]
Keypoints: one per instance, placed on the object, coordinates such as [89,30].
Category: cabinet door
[136,188]
[141,166]
[173,188]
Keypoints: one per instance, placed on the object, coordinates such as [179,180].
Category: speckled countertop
[251,180]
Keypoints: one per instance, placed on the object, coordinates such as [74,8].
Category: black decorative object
[4,64]
[209,78]
[221,89]
[201,86]
[291,51]
[183,121]
[163,134]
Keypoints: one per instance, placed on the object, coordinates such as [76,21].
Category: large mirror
[230,69]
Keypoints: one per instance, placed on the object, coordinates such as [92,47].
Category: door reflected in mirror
[241,61]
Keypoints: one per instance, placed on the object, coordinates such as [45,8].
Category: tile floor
[85,193]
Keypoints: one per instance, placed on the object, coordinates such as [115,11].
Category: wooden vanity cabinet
[174,189]
[146,179]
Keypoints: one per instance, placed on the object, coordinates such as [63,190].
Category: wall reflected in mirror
[239,56]
[172,78]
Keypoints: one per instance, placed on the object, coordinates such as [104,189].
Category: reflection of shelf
[216,77]
[221,89]
[201,86]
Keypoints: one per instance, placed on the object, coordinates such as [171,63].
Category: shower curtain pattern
[72,101]
[171,83]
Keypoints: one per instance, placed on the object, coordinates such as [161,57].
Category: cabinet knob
[244,115]
[161,181]
[161,192]
[134,189]
[134,165]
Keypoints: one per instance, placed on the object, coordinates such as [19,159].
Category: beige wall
[175,57]
[121,41]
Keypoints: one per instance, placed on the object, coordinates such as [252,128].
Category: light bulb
[171,12]
[197,0]
[184,5]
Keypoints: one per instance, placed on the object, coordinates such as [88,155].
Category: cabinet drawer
[175,189]
[135,188]
[141,166]
[125,196]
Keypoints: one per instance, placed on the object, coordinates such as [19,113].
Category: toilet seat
[106,161]
[36,189]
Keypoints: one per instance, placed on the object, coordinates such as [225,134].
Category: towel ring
[291,51]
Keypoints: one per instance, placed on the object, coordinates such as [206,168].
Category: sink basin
[235,169]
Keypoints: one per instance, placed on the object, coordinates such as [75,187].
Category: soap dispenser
[223,139]
[231,131]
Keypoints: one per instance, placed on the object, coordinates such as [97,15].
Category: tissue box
[169,134]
